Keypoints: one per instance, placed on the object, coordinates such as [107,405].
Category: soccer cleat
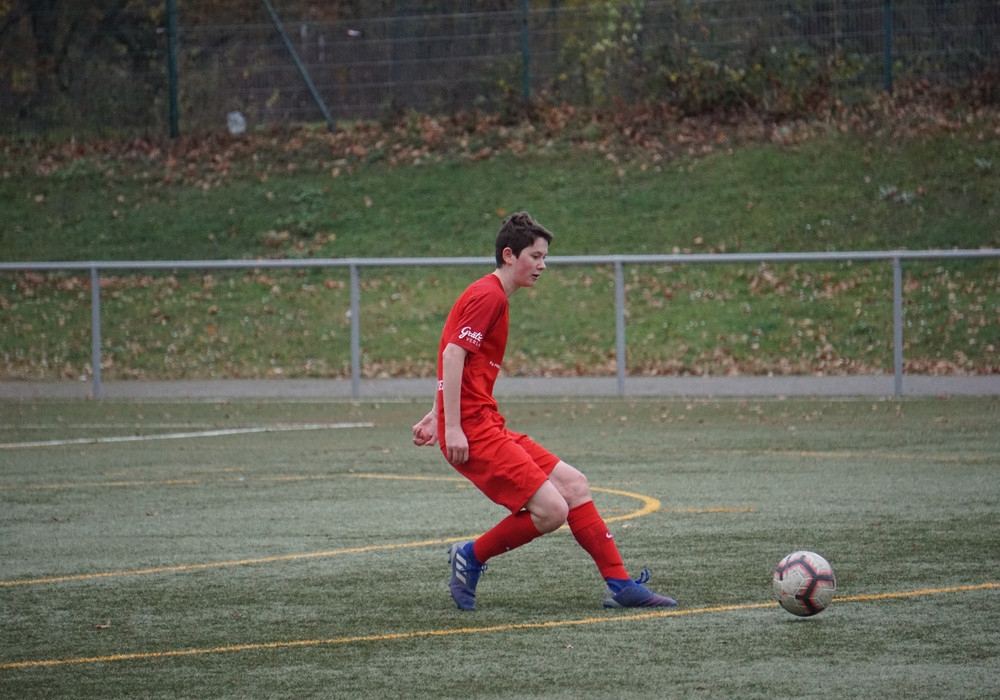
[464,575]
[637,596]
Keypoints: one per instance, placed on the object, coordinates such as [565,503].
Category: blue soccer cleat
[465,573]
[636,595]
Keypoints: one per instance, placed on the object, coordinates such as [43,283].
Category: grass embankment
[431,189]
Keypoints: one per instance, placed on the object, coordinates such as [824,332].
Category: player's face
[530,263]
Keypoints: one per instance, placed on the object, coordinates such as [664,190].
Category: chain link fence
[155,74]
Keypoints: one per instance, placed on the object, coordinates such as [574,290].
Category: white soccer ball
[804,583]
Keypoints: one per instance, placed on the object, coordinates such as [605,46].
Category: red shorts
[508,467]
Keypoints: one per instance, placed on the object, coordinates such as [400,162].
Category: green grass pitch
[280,550]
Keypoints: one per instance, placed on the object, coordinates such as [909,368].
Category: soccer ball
[804,583]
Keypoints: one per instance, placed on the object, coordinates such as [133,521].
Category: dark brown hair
[518,232]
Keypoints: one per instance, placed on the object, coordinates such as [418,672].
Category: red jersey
[477,322]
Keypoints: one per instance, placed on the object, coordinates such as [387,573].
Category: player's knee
[572,484]
[576,489]
[552,517]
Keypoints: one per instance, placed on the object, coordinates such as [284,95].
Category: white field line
[103,426]
[278,428]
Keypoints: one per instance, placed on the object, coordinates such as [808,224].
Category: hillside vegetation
[909,173]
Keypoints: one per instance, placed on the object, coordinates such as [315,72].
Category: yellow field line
[287,478]
[913,594]
[649,505]
[235,562]
[513,627]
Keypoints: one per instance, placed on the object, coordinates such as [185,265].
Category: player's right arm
[452,365]
[425,432]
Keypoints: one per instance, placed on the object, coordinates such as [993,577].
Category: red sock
[590,530]
[510,533]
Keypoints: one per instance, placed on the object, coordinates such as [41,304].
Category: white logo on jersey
[475,336]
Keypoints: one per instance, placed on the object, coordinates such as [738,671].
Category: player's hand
[457,445]
[426,431]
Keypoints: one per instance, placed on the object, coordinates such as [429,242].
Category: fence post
[95,330]
[303,72]
[355,333]
[620,324]
[525,51]
[887,43]
[172,67]
[897,325]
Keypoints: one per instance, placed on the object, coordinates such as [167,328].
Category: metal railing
[354,265]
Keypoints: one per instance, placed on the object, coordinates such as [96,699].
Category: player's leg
[591,532]
[586,524]
[544,512]
[510,478]
[548,508]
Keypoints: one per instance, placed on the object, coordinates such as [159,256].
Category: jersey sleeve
[476,318]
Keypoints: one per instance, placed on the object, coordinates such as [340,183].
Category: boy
[541,491]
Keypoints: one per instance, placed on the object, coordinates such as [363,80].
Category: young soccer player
[541,491]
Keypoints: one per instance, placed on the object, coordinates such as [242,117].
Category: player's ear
[508,256]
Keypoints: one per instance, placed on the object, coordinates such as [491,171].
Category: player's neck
[506,280]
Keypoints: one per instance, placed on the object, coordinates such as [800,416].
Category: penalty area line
[277,428]
[418,634]
[649,505]
[235,562]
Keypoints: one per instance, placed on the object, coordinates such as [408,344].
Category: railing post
[887,30]
[355,333]
[897,324]
[172,68]
[620,324]
[525,51]
[95,330]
